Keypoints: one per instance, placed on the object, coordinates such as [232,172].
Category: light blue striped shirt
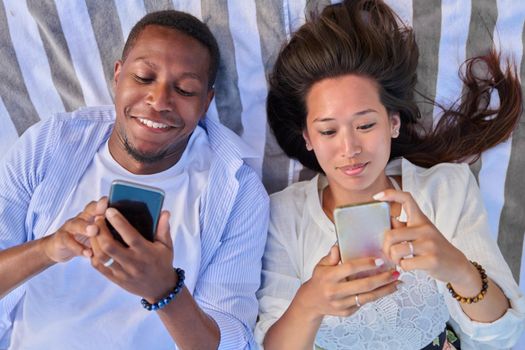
[50,158]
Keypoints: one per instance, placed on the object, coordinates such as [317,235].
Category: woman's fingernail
[378,196]
[379,262]
[395,275]
[110,212]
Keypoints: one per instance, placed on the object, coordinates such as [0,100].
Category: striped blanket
[59,55]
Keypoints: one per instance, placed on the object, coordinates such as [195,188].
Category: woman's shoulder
[295,195]
[443,175]
[294,205]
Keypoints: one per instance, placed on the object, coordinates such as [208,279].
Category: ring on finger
[411,247]
[357,303]
[109,262]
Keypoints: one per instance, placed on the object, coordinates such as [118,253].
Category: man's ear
[306,138]
[116,72]
[209,97]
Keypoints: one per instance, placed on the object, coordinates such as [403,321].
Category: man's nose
[159,97]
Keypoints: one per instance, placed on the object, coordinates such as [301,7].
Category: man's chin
[144,157]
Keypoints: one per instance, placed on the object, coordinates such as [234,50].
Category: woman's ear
[307,140]
[395,125]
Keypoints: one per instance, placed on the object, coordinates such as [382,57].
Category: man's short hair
[184,23]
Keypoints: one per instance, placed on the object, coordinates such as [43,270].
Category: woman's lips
[353,170]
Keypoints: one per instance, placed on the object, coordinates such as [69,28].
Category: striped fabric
[58,55]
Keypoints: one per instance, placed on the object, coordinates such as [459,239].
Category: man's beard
[144,158]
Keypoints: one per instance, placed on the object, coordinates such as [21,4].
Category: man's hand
[72,238]
[145,268]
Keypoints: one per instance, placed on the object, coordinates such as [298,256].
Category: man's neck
[134,166]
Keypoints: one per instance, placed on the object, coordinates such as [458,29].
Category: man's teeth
[152,124]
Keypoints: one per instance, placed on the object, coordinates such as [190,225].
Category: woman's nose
[351,146]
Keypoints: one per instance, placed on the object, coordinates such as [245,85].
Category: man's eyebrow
[153,66]
[357,114]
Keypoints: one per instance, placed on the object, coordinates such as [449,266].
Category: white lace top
[300,234]
[408,319]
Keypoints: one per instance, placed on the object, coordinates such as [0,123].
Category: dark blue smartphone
[139,204]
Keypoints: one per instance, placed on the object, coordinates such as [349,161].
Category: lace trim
[410,318]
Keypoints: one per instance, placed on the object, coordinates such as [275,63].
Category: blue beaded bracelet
[168,298]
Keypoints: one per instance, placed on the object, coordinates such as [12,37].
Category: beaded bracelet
[168,298]
[481,294]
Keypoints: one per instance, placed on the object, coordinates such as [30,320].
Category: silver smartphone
[360,229]
[140,204]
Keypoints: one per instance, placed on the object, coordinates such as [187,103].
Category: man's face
[161,93]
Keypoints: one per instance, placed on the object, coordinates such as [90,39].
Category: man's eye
[184,92]
[366,126]
[142,80]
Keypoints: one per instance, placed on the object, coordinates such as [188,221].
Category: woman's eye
[142,80]
[366,126]
[327,132]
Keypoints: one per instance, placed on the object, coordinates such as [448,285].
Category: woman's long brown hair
[367,38]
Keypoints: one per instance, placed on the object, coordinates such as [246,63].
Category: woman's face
[350,132]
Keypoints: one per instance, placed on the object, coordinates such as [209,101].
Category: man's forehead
[152,34]
[154,66]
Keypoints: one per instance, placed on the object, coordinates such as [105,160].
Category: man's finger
[163,234]
[128,233]
[107,245]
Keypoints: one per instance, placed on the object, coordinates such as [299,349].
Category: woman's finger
[332,258]
[354,266]
[414,215]
[365,284]
[404,250]
[351,303]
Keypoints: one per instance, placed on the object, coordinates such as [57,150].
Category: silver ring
[357,303]
[109,262]
[411,246]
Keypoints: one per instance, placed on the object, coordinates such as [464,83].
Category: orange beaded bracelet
[481,294]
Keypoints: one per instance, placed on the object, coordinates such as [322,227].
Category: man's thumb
[163,229]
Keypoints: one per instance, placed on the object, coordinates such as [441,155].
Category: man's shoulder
[92,114]
[227,145]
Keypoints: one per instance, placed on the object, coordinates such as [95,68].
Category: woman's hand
[72,238]
[420,245]
[331,291]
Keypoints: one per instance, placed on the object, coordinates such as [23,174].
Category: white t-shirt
[93,295]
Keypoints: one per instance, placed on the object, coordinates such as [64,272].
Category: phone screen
[360,230]
[139,204]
